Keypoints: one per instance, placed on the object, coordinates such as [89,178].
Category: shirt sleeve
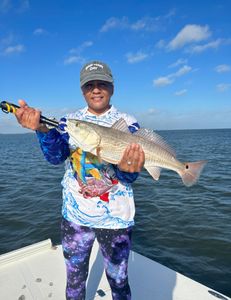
[127,177]
[54,146]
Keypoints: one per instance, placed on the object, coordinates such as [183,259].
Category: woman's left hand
[133,159]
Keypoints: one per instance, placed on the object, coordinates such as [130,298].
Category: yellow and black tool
[8,107]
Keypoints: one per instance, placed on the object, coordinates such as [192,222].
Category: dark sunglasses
[102,85]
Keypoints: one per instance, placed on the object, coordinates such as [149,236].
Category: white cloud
[13,49]
[143,24]
[223,87]
[39,31]
[136,57]
[163,81]
[180,61]
[184,70]
[201,48]
[222,68]
[75,54]
[189,34]
[169,79]
[10,45]
[152,111]
[181,92]
[73,59]
[81,47]
[114,23]
[146,24]
[160,44]
[86,44]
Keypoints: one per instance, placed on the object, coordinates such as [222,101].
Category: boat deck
[37,272]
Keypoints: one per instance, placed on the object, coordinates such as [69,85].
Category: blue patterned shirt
[95,194]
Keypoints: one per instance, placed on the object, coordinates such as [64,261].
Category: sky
[171,60]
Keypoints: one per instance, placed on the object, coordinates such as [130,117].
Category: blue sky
[171,60]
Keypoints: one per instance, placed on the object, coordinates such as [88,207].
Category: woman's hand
[29,117]
[133,159]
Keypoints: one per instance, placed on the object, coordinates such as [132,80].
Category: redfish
[109,143]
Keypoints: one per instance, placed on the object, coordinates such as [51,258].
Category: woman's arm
[54,146]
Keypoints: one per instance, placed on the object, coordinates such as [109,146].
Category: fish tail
[191,173]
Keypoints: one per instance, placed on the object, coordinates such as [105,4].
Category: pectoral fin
[153,171]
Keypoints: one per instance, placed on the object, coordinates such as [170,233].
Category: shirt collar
[108,112]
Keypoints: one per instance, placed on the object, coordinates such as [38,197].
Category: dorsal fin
[121,125]
[155,138]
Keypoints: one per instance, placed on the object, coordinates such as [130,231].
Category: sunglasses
[102,85]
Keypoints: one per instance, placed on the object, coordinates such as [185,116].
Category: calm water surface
[186,229]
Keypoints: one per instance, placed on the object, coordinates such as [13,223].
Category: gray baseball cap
[95,70]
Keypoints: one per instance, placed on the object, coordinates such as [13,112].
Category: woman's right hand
[29,117]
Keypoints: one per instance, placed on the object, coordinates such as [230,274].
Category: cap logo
[93,67]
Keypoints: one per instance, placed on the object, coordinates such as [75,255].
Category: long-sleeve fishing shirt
[95,194]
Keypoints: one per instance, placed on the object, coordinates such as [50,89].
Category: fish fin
[155,138]
[191,173]
[153,171]
[121,125]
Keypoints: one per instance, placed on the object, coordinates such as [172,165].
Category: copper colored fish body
[109,143]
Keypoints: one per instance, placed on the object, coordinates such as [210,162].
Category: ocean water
[185,229]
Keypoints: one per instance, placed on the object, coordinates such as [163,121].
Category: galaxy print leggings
[77,242]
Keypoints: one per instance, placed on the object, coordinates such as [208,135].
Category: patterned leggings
[77,242]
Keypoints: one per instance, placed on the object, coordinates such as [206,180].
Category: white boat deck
[37,272]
